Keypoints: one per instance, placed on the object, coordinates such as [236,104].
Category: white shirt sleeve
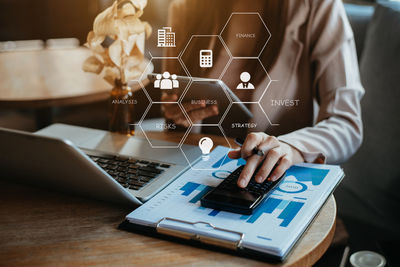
[338,131]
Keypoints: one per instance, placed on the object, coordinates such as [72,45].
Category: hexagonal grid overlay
[198,46]
[256,40]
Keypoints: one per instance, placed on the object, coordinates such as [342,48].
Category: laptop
[92,163]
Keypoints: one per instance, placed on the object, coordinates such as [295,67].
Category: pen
[240,141]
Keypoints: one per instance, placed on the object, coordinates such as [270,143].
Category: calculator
[228,196]
[206,58]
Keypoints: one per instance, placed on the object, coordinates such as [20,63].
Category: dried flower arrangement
[117,41]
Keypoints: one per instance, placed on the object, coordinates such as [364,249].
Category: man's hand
[275,153]
[196,112]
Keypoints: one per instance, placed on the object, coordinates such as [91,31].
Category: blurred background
[53,19]
[368,199]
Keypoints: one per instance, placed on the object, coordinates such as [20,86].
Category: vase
[121,106]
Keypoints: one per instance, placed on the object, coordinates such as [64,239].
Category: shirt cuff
[309,156]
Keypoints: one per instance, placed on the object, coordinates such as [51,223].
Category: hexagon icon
[155,126]
[200,56]
[236,124]
[166,81]
[215,101]
[238,34]
[205,138]
[247,78]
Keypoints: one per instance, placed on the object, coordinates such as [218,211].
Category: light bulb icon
[205,144]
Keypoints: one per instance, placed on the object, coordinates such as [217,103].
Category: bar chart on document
[283,204]
[280,209]
[272,228]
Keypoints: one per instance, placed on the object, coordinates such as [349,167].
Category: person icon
[245,84]
[157,81]
[166,82]
[175,82]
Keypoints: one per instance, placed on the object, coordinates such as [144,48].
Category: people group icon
[166,81]
[245,84]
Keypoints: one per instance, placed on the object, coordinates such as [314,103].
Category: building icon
[166,38]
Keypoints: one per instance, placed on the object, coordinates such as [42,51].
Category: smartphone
[211,91]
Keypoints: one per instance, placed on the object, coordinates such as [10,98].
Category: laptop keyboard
[129,172]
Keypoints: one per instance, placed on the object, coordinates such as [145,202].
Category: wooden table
[39,227]
[44,79]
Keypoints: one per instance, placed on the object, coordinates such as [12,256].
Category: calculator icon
[206,58]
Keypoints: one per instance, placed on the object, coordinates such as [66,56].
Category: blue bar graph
[189,187]
[268,206]
[305,174]
[213,213]
[244,217]
[204,189]
[289,209]
[283,204]
[225,160]
[290,212]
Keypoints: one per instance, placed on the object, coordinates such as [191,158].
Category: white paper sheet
[272,228]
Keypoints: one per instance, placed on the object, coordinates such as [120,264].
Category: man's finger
[181,120]
[169,109]
[169,97]
[284,164]
[248,170]
[234,154]
[270,161]
[172,111]
[189,106]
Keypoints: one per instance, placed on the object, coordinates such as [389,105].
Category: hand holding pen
[260,148]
